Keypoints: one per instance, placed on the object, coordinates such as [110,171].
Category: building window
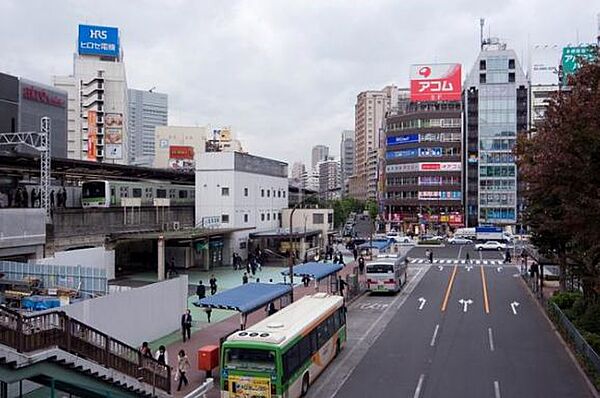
[224,218]
[279,194]
[245,191]
[274,216]
[224,191]
[511,64]
[245,217]
[268,193]
[482,78]
[262,193]
[262,217]
[137,192]
[268,216]
[318,218]
[511,77]
[482,64]
[284,194]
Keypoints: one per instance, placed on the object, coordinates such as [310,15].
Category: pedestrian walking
[208,311]
[534,272]
[245,278]
[161,355]
[342,285]
[234,261]
[271,309]
[186,325]
[305,280]
[355,253]
[253,268]
[52,199]
[25,200]
[361,265]
[145,350]
[468,257]
[33,197]
[201,290]
[59,198]
[341,259]
[183,364]
[213,285]
[507,257]
[430,256]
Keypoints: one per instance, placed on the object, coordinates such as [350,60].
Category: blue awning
[376,244]
[316,271]
[245,298]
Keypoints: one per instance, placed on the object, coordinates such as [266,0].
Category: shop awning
[245,298]
[313,270]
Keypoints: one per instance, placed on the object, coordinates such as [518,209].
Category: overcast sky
[283,74]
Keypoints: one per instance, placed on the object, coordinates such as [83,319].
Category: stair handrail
[27,333]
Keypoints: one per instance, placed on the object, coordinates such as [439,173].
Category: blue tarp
[40,303]
[316,271]
[245,298]
[380,245]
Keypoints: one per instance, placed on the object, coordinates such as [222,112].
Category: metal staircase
[53,348]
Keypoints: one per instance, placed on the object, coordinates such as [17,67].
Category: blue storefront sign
[403,139]
[98,40]
[406,153]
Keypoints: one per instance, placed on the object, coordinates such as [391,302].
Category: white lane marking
[440,268]
[419,386]
[423,301]
[491,337]
[497,389]
[435,332]
[332,369]
[468,268]
[499,269]
[465,304]
[514,306]
[460,251]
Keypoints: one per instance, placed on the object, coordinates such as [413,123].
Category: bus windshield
[380,268]
[247,358]
[94,189]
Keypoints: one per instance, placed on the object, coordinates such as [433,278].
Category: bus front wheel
[305,384]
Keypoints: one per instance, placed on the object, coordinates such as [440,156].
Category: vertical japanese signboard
[113,136]
[92,121]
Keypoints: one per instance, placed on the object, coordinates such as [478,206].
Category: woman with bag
[183,364]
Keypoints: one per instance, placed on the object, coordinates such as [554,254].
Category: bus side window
[314,345]
[291,361]
[342,316]
[304,349]
[336,320]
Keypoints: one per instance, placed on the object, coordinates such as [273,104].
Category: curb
[566,346]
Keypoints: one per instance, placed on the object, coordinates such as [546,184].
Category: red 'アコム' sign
[435,82]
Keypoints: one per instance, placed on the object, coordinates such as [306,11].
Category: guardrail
[570,332]
[56,329]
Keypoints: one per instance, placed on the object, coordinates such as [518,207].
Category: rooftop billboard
[98,40]
[435,82]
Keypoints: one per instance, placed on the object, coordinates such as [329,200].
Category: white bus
[386,273]
[284,354]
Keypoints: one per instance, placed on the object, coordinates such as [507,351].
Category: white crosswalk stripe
[455,261]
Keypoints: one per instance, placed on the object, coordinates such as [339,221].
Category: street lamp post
[291,256]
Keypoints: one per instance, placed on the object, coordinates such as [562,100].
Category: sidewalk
[224,322]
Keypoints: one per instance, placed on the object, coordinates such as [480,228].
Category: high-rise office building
[347,154]
[97,97]
[495,108]
[422,170]
[329,179]
[370,109]
[147,110]
[298,169]
[319,153]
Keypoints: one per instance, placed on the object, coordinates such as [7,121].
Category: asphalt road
[426,342]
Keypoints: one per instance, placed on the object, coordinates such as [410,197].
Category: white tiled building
[240,191]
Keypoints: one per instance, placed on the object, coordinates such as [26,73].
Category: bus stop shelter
[375,247]
[315,271]
[246,298]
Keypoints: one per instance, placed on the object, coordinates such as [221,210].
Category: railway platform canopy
[246,298]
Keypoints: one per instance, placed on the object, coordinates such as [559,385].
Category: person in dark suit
[186,325]
[201,290]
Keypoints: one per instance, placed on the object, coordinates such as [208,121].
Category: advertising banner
[431,152]
[98,40]
[92,121]
[181,152]
[447,166]
[439,195]
[572,57]
[402,139]
[435,82]
[113,136]
[544,65]
[246,387]
[402,168]
[407,153]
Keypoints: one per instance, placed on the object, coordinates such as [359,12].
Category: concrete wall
[97,257]
[141,314]
[22,232]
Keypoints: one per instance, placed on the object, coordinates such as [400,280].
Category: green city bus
[283,354]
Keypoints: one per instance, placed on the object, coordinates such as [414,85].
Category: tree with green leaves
[559,164]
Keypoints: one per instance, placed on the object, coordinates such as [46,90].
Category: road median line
[449,288]
[486,303]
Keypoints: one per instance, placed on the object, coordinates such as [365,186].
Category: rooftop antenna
[481,24]
[152,89]
[598,37]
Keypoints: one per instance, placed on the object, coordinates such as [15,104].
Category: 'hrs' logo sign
[98,34]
